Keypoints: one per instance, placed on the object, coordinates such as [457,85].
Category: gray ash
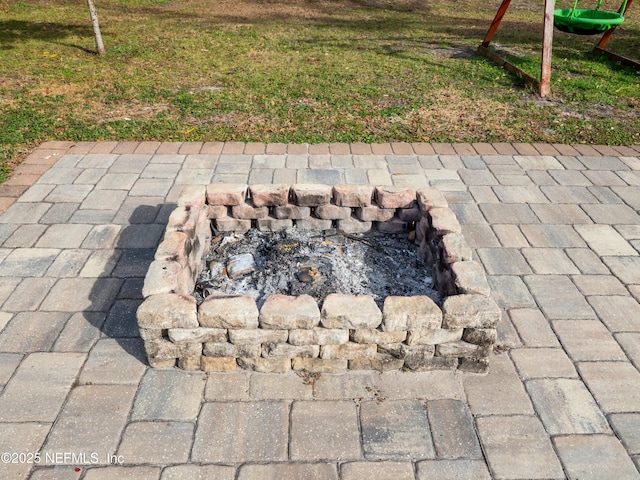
[294,262]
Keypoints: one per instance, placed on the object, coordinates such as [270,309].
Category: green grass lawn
[302,71]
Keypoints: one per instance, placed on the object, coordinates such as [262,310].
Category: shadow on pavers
[134,251]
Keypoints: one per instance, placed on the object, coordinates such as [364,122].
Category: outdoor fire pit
[187,322]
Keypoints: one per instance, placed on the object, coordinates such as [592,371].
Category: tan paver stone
[619,313]
[395,430]
[630,343]
[453,431]
[324,430]
[503,261]
[500,392]
[16,438]
[587,261]
[543,363]
[238,432]
[558,297]
[498,213]
[8,364]
[612,214]
[595,457]
[520,194]
[510,236]
[90,294]
[198,472]
[289,471]
[227,386]
[613,384]
[518,447]
[560,214]
[452,470]
[123,473]
[627,428]
[91,421]
[28,262]
[431,385]
[552,236]
[25,236]
[587,340]
[169,395]
[604,240]
[479,236]
[599,285]
[32,331]
[535,162]
[533,328]
[264,386]
[28,295]
[627,269]
[156,442]
[483,194]
[547,261]
[565,406]
[80,332]
[56,473]
[4,319]
[387,470]
[115,361]
[347,386]
[53,373]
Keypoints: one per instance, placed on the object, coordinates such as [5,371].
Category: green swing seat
[587,22]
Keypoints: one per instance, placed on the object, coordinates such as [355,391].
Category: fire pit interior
[255,277]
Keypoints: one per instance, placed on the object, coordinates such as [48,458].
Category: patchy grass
[301,71]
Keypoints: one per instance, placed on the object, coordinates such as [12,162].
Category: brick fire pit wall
[346,331]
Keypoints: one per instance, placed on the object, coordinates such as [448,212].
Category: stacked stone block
[295,333]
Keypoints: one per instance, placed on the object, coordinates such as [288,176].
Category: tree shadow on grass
[13,32]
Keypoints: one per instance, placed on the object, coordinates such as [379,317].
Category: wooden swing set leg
[543,86]
[599,49]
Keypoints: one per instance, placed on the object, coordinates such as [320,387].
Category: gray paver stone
[613,384]
[453,430]
[558,297]
[387,470]
[627,427]
[146,442]
[289,471]
[169,395]
[452,470]
[198,472]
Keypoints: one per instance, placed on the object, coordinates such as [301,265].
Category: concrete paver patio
[556,228]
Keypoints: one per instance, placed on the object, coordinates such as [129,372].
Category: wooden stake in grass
[96,28]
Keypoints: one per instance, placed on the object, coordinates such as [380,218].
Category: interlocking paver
[199,472]
[281,471]
[518,447]
[565,406]
[509,291]
[546,261]
[452,470]
[453,431]
[324,431]
[125,473]
[613,384]
[20,438]
[53,373]
[32,332]
[618,313]
[627,269]
[169,395]
[579,337]
[500,392]
[627,428]
[156,442]
[599,285]
[395,429]
[558,297]
[591,224]
[543,363]
[114,362]
[90,294]
[556,236]
[630,343]
[64,236]
[503,261]
[242,432]
[386,470]
[595,457]
[91,421]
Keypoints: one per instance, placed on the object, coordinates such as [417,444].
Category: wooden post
[96,27]
[547,44]
[609,33]
[496,23]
